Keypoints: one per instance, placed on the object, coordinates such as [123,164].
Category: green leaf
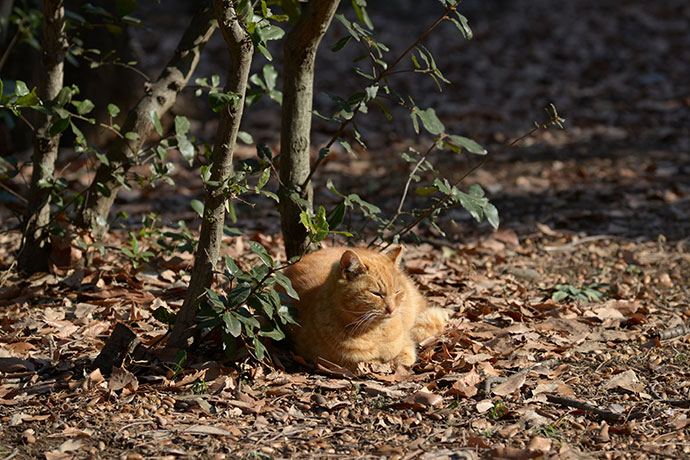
[263,151]
[275,334]
[259,349]
[264,51]
[83,107]
[198,206]
[361,13]
[239,295]
[270,76]
[219,100]
[113,110]
[559,295]
[186,148]
[468,144]
[341,43]
[77,133]
[286,284]
[232,324]
[156,122]
[491,214]
[471,204]
[260,251]
[306,221]
[59,126]
[28,100]
[181,125]
[430,120]
[132,136]
[263,180]
[231,266]
[245,137]
[336,216]
[425,191]
[462,24]
[20,88]
[165,316]
[272,32]
[476,190]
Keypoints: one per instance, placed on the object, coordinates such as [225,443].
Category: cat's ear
[351,265]
[395,254]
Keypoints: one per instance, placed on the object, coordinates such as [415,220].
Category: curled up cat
[357,305]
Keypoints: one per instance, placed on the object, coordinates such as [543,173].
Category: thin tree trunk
[33,255]
[241,49]
[159,97]
[298,88]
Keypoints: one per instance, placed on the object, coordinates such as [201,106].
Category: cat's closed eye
[378,294]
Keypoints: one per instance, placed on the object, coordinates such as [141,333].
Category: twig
[398,212]
[380,77]
[674,332]
[684,403]
[12,455]
[553,119]
[13,193]
[571,245]
[118,64]
[607,415]
[6,54]
[4,276]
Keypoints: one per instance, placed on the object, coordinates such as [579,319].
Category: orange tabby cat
[357,305]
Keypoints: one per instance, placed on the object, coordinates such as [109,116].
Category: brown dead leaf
[65,450]
[603,434]
[484,405]
[121,378]
[20,349]
[539,444]
[206,429]
[510,386]
[513,453]
[627,380]
[331,369]
[420,401]
[466,385]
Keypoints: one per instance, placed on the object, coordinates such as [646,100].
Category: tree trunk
[298,88]
[159,97]
[33,255]
[241,49]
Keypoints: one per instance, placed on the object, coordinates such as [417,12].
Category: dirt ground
[526,368]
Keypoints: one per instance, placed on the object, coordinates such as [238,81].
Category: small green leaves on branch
[255,306]
[593,292]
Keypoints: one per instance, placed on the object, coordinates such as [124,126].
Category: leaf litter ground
[517,375]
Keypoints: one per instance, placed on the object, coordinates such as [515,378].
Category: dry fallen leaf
[121,378]
[627,380]
[510,386]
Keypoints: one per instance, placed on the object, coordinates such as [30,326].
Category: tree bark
[159,97]
[33,255]
[240,49]
[300,49]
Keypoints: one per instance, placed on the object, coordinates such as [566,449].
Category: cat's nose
[390,307]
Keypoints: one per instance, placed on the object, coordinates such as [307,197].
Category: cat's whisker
[363,322]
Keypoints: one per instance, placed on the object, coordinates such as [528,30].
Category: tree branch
[300,49]
[240,49]
[159,97]
[33,255]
